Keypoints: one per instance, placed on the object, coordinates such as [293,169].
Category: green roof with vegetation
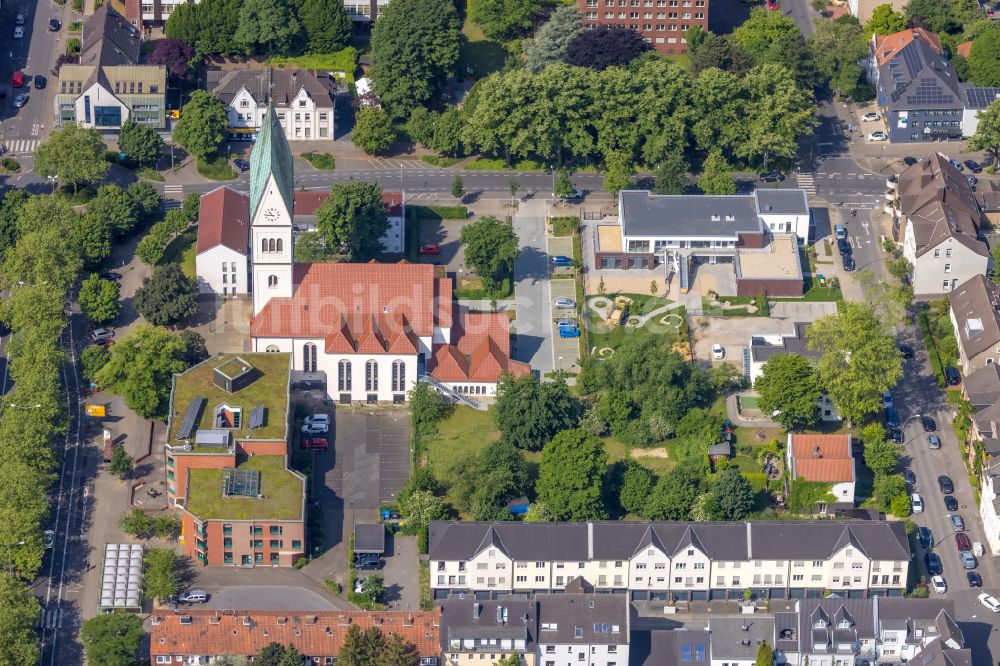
[281,493]
[269,389]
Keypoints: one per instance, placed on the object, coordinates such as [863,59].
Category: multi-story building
[974,308]
[661,23]
[302,99]
[578,629]
[474,629]
[393,240]
[906,629]
[364,12]
[735,640]
[824,459]
[196,636]
[663,560]
[221,259]
[759,234]
[151,13]
[227,462]
[109,85]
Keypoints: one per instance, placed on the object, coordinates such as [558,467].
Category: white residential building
[223,238]
[583,630]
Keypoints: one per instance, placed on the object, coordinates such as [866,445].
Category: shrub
[73,43]
[900,506]
[440,212]
[10,164]
[216,168]
[322,161]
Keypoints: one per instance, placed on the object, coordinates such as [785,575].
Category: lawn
[182,250]
[479,56]
[322,161]
[939,337]
[651,458]
[281,491]
[565,226]
[489,164]
[345,60]
[466,430]
[604,335]
[216,168]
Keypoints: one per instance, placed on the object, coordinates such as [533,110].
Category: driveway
[533,296]
[445,233]
[401,573]
[267,597]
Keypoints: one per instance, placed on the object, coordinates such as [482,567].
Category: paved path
[532,291]
[733,410]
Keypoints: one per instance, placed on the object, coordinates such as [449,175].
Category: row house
[671,560]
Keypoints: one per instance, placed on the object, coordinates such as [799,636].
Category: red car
[772,5]
[962,541]
[17,79]
[315,444]
[430,248]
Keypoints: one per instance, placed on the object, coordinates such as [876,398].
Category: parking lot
[445,234]
[565,351]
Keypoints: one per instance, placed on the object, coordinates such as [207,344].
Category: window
[309,357]
[947,268]
[398,375]
[272,281]
[296,544]
[344,376]
[947,252]
[274,543]
[371,375]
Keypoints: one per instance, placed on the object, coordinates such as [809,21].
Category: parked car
[951,374]
[843,246]
[561,260]
[19,32]
[718,352]
[950,503]
[430,248]
[973,166]
[933,442]
[878,136]
[569,332]
[39,81]
[972,180]
[910,477]
[905,351]
[928,424]
[945,485]
[311,429]
[974,579]
[20,18]
[317,418]
[849,264]
[242,165]
[887,399]
[933,564]
[891,417]
[869,117]
[50,538]
[17,79]
[314,444]
[193,597]
[368,562]
[771,177]
[956,164]
[839,232]
[101,334]
[937,582]
[990,602]
[54,25]
[20,100]
[916,503]
[963,542]
[897,435]
[957,523]
[564,304]
[926,537]
[909,160]
[968,559]
[110,276]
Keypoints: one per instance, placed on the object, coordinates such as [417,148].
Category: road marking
[806,182]
[22,146]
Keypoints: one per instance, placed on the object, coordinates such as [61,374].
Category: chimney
[816,452]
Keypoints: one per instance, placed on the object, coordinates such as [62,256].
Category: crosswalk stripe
[173,188]
[806,182]
[22,145]
[171,204]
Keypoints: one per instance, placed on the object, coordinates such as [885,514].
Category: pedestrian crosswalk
[806,182]
[21,146]
[50,619]
[171,204]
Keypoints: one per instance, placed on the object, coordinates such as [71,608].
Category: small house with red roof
[825,459]
[221,259]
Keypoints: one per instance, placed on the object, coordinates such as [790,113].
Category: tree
[770,89]
[789,390]
[271,655]
[19,613]
[551,40]
[72,154]
[605,46]
[995,258]
[99,299]
[10,208]
[765,655]
[528,414]
[564,184]
[837,47]
[268,22]
[617,172]
[538,513]
[720,52]
[140,143]
[138,524]
[141,368]
[984,59]
[160,578]
[885,21]
[671,175]
[934,15]
[121,462]
[353,218]
[673,496]
[766,35]
[637,483]
[414,48]
[373,587]
[490,250]
[900,506]
[695,37]
[881,455]
[182,24]
[716,175]
[457,187]
[398,652]
[202,125]
[195,350]
[805,495]
[987,136]
[361,648]
[500,475]
[327,25]
[570,476]
[885,489]
[503,19]
[145,200]
[92,359]
[112,639]
[900,268]
[860,360]
[113,209]
[167,296]
[175,55]
[422,507]
[373,130]
[734,495]
[427,408]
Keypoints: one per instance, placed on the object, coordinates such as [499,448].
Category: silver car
[566,322]
[957,523]
[564,304]
[968,559]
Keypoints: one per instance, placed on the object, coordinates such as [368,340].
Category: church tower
[272,188]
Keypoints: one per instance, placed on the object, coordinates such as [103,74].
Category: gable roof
[975,305]
[940,205]
[913,73]
[472,619]
[307,203]
[828,446]
[223,219]
[887,47]
[823,458]
[277,87]
[480,350]
[982,386]
[108,39]
[271,155]
[583,619]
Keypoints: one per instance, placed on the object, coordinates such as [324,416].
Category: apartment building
[473,630]
[906,629]
[735,640]
[661,23]
[671,560]
[579,629]
[227,462]
[151,13]
[975,317]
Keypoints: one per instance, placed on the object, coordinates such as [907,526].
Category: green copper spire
[271,154]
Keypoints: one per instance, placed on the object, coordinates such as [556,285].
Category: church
[367,331]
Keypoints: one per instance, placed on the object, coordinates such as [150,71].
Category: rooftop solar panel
[190,419]
[257,417]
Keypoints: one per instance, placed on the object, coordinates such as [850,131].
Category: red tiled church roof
[480,351]
[224,219]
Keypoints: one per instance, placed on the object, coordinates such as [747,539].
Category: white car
[718,352]
[878,136]
[19,32]
[315,429]
[939,585]
[869,117]
[916,503]
[990,602]
[317,418]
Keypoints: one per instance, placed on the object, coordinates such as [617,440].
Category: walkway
[642,319]
[733,411]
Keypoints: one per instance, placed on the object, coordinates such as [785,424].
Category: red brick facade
[661,22]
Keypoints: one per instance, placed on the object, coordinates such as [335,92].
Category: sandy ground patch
[650,453]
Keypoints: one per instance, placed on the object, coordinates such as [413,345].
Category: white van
[916,503]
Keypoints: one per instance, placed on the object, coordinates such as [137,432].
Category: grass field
[182,250]
[489,164]
[565,225]
[345,60]
[479,56]
[601,334]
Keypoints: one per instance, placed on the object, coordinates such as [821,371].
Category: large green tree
[72,154]
[837,47]
[673,496]
[115,208]
[141,368]
[167,296]
[140,143]
[99,299]
[414,48]
[112,639]
[202,126]
[671,175]
[764,34]
[770,90]
[10,208]
[551,40]
[372,130]
[528,413]
[570,476]
[327,25]
[503,19]
[881,455]
[984,59]
[160,576]
[490,250]
[765,655]
[721,52]
[885,21]
[716,175]
[637,483]
[734,495]
[353,219]
[361,648]
[859,360]
[789,389]
[268,23]
[935,15]
[19,612]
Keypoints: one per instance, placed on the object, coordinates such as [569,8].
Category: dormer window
[302,104]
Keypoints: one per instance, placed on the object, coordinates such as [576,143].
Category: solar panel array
[122,577]
[257,417]
[240,482]
[190,419]
[930,92]
[980,98]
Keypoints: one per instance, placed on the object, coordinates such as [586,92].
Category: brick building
[660,22]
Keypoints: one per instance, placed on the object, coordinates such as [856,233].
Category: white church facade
[367,331]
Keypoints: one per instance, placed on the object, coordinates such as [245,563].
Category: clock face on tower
[272,214]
